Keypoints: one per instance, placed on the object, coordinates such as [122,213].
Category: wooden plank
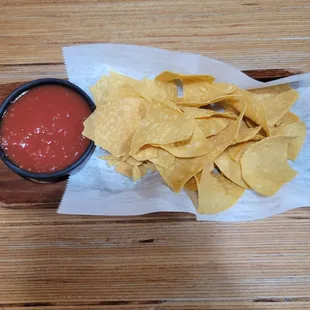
[14,73]
[155,261]
[185,305]
[247,34]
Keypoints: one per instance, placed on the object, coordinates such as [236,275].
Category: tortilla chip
[216,193]
[110,123]
[217,144]
[205,113]
[297,130]
[108,84]
[167,104]
[247,134]
[277,101]
[212,125]
[157,90]
[168,76]
[124,91]
[131,161]
[147,152]
[191,184]
[250,123]
[196,145]
[125,157]
[288,118]
[192,103]
[125,169]
[111,160]
[164,159]
[236,151]
[230,168]
[100,90]
[203,92]
[198,175]
[264,165]
[139,171]
[159,127]
[181,171]
[255,109]
[149,167]
[184,168]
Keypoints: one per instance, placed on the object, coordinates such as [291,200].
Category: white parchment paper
[98,190]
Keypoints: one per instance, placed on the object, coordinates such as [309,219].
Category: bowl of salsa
[41,126]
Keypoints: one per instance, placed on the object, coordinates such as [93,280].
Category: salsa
[41,131]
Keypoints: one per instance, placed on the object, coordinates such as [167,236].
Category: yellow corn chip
[250,123]
[159,127]
[131,161]
[205,113]
[184,168]
[182,102]
[236,151]
[125,157]
[230,168]
[136,173]
[181,171]
[167,104]
[198,175]
[297,130]
[277,101]
[125,169]
[108,84]
[115,122]
[158,90]
[255,109]
[168,76]
[191,184]
[124,91]
[111,160]
[216,193]
[218,143]
[247,134]
[288,118]
[164,159]
[258,137]
[212,125]
[145,167]
[226,88]
[146,153]
[264,165]
[100,90]
[139,171]
[148,166]
[196,145]
[109,156]
[204,92]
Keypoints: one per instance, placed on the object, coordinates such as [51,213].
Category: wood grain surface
[159,261]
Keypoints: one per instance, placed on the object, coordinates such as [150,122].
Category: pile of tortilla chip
[199,134]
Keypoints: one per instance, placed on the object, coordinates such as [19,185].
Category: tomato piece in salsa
[41,131]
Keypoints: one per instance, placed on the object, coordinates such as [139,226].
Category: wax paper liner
[98,190]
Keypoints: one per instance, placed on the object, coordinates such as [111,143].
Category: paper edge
[286,80]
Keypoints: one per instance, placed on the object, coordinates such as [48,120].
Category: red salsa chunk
[41,131]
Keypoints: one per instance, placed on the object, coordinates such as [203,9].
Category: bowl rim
[20,91]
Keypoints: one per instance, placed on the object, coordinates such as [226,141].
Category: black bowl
[46,177]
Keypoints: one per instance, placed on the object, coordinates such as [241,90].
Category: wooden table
[161,261]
